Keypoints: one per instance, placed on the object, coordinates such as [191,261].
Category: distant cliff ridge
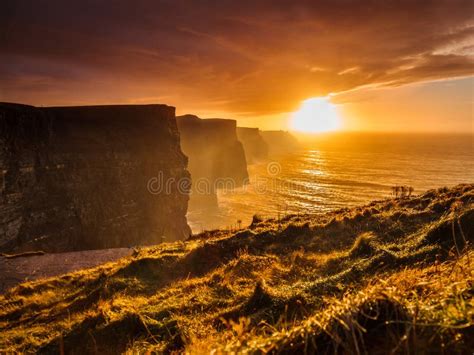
[76,178]
[215,154]
[280,142]
[256,149]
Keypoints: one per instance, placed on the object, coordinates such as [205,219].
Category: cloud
[257,57]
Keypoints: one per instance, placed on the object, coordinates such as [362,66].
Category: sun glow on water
[316,115]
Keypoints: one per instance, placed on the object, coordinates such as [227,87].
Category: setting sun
[316,115]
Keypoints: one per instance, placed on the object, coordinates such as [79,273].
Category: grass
[391,276]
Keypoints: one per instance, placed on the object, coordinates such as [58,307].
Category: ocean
[341,170]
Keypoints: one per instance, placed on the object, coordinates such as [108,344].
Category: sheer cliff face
[90,177]
[213,149]
[256,149]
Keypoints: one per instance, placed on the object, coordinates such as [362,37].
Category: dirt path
[28,268]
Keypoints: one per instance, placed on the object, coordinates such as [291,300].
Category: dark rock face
[256,149]
[280,142]
[216,156]
[76,178]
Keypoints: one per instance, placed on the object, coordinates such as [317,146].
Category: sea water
[341,170]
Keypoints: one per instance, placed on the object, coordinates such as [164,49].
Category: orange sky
[436,106]
[392,65]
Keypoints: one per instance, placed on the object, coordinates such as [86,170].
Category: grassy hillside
[394,275]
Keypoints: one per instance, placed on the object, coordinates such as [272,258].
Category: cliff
[256,149]
[216,156]
[76,178]
[280,142]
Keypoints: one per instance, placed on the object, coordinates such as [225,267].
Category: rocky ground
[16,269]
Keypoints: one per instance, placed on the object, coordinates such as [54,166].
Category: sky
[388,65]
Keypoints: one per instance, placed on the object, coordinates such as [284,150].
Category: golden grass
[411,311]
[392,276]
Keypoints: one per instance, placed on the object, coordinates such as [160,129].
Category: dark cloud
[237,56]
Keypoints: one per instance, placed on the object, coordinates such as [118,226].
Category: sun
[316,115]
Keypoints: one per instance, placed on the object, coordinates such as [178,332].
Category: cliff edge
[280,142]
[255,147]
[216,156]
[76,178]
